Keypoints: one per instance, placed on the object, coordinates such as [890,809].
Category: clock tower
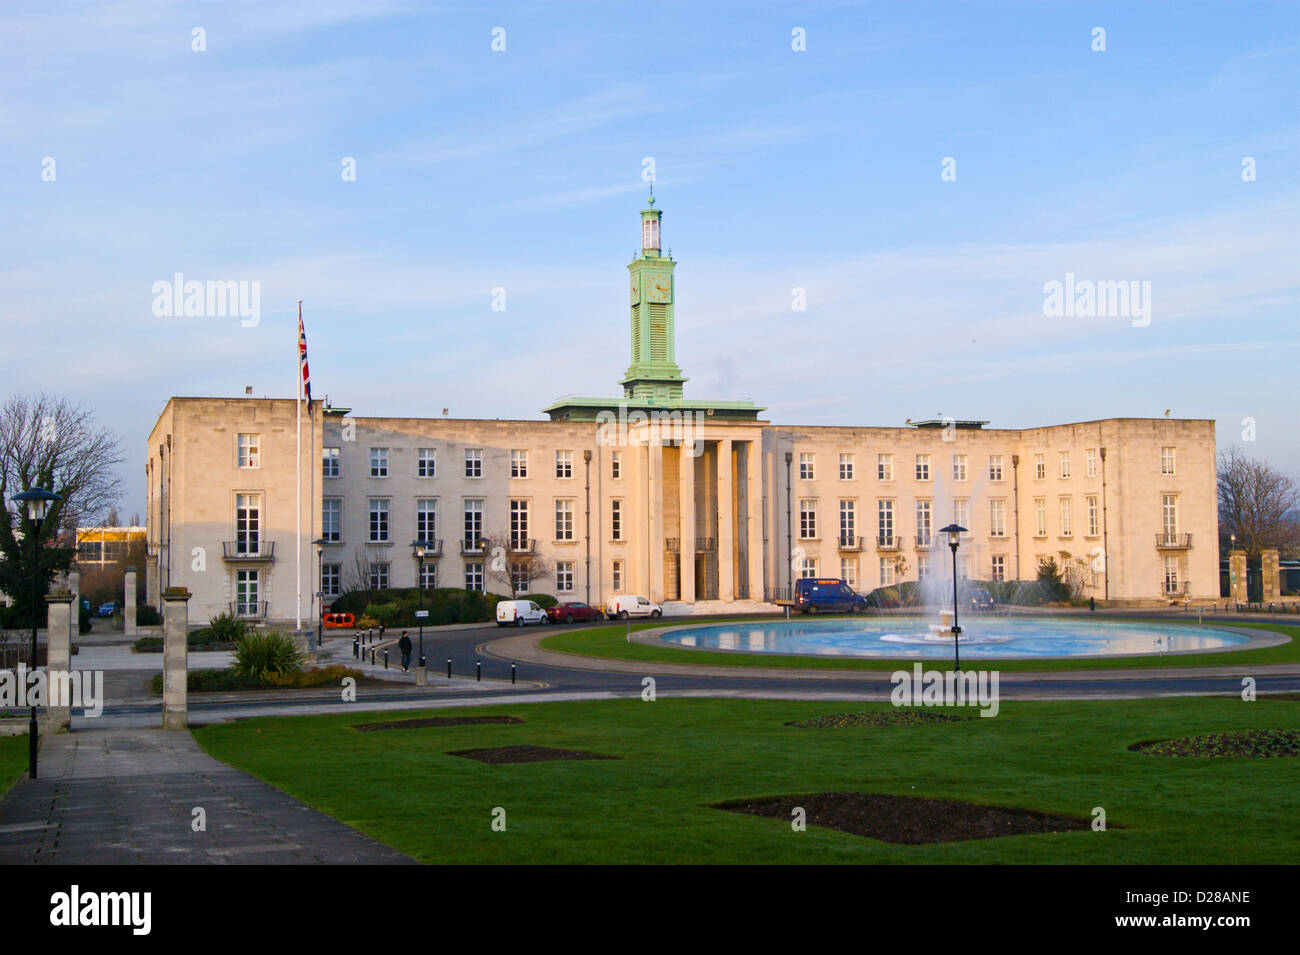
[653,375]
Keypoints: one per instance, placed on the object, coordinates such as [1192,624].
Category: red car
[573,612]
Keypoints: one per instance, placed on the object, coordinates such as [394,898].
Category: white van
[520,612]
[630,605]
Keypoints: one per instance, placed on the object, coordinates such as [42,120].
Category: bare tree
[1257,503]
[515,566]
[50,443]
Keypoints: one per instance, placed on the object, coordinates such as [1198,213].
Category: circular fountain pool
[982,637]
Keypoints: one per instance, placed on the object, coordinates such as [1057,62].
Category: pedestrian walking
[404,645]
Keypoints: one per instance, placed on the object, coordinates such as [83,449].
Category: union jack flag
[302,359]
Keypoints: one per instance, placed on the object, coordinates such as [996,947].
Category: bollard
[449,668]
[512,674]
[356,649]
[385,659]
[421,659]
[372,656]
[478,669]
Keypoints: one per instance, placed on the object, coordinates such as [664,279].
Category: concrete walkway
[128,796]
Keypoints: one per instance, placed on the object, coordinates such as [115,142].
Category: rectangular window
[887,571]
[379,462]
[378,507]
[563,520]
[426,463]
[923,467]
[249,455]
[1169,515]
[808,567]
[616,576]
[923,523]
[846,467]
[248,523]
[329,462]
[1171,573]
[885,522]
[426,519]
[961,512]
[247,592]
[331,519]
[331,580]
[564,464]
[807,519]
[1040,517]
[518,464]
[959,467]
[519,524]
[474,467]
[474,575]
[616,520]
[519,582]
[807,465]
[922,566]
[1166,460]
[1040,467]
[473,529]
[999,567]
[849,570]
[997,518]
[1066,527]
[616,464]
[1090,462]
[1065,464]
[379,575]
[995,467]
[564,576]
[1094,517]
[848,523]
[885,467]
[429,575]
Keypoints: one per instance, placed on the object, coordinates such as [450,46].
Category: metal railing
[258,549]
[1173,541]
[469,546]
[250,609]
[432,547]
[523,545]
[888,542]
[925,540]
[848,542]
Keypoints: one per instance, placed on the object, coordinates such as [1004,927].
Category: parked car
[827,595]
[623,606]
[574,611]
[107,609]
[980,599]
[520,612]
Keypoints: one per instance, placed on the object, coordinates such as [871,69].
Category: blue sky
[776,169]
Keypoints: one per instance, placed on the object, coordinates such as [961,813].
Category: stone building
[698,503]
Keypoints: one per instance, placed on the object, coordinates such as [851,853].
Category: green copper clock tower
[653,382]
[653,373]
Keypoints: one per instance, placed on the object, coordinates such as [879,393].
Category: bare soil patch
[910,820]
[434,721]
[525,754]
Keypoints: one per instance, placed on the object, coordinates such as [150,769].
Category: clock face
[658,287]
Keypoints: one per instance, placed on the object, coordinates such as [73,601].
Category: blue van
[827,595]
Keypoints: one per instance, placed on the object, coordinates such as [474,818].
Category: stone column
[726,525]
[128,603]
[753,508]
[74,587]
[686,517]
[656,515]
[58,659]
[175,657]
[1272,573]
[1237,576]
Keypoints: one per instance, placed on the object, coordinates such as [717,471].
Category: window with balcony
[426,519]
[473,522]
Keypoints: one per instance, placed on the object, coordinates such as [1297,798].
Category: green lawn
[679,756]
[13,760]
[611,642]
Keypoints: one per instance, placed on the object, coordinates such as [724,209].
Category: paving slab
[106,797]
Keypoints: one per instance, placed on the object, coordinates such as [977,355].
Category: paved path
[128,795]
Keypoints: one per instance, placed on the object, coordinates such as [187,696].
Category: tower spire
[653,374]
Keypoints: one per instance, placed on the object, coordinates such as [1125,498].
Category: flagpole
[297,350]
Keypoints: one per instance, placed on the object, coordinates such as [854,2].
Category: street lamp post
[954,532]
[320,590]
[421,550]
[36,502]
[789,531]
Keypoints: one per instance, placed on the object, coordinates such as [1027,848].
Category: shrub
[83,620]
[317,677]
[146,616]
[1051,581]
[545,601]
[226,629]
[260,654]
